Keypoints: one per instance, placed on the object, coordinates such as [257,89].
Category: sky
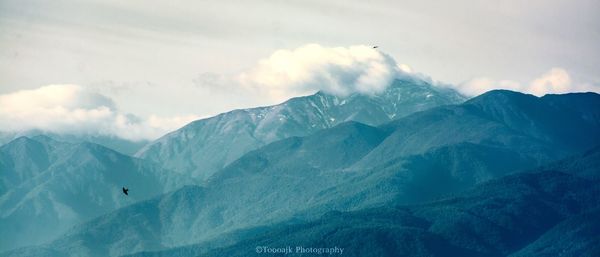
[137,69]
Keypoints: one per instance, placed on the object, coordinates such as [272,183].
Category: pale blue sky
[180,53]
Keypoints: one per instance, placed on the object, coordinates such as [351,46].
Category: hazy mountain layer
[544,212]
[494,219]
[113,142]
[350,167]
[205,146]
[51,186]
[575,236]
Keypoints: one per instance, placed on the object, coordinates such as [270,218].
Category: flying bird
[125,190]
[375,47]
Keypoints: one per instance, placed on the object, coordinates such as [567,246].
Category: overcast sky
[179,60]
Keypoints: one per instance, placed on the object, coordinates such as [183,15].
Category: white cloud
[286,73]
[405,68]
[481,85]
[309,68]
[554,81]
[72,109]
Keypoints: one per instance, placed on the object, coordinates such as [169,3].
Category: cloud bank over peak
[312,67]
[105,109]
[554,81]
[73,109]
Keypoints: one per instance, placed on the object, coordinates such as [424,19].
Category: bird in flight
[375,47]
[125,190]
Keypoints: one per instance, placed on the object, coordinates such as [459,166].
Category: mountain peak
[500,96]
[21,141]
[42,138]
[549,107]
[193,148]
[24,147]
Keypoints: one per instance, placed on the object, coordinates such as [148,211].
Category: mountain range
[353,167]
[203,147]
[547,211]
[121,145]
[542,212]
[416,170]
[66,180]
[49,186]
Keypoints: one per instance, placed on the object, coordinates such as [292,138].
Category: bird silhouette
[375,47]
[125,190]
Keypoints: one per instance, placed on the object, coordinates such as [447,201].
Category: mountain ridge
[81,181]
[205,146]
[520,214]
[303,186]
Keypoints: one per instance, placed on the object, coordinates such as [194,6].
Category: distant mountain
[118,144]
[549,127]
[586,165]
[539,213]
[494,219]
[352,166]
[193,213]
[5,137]
[394,167]
[121,145]
[50,186]
[205,146]
[575,236]
[455,147]
[21,160]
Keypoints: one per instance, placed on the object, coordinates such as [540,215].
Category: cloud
[554,81]
[72,109]
[106,108]
[481,85]
[309,68]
